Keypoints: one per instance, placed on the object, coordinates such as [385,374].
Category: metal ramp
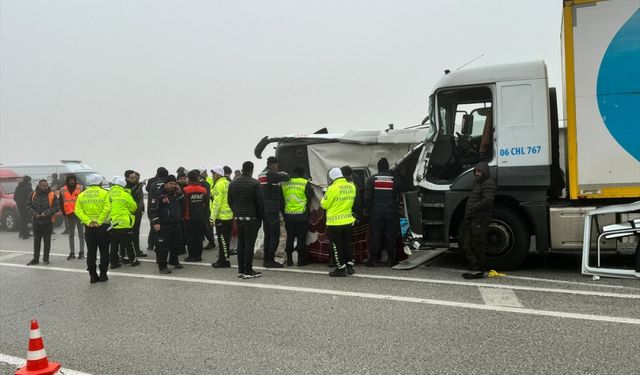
[418,258]
[627,228]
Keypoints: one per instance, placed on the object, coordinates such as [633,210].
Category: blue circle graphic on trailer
[618,87]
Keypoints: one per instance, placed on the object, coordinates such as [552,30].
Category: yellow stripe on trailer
[570,92]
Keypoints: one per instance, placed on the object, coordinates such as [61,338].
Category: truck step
[433,204]
[432,222]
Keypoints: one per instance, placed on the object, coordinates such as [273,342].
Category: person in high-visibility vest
[68,195]
[123,209]
[297,193]
[221,216]
[92,209]
[338,203]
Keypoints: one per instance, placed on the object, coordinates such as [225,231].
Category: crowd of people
[191,206]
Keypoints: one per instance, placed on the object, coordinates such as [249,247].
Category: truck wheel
[508,239]
[10,221]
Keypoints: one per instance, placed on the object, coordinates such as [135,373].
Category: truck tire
[508,239]
[10,221]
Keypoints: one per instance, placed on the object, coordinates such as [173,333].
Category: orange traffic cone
[37,362]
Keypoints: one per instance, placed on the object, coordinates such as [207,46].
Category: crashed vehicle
[321,151]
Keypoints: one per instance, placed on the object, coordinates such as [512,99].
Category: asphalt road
[543,319]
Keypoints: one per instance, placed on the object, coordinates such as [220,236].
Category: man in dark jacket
[22,194]
[166,214]
[153,185]
[42,205]
[270,180]
[381,195]
[135,187]
[297,194]
[196,202]
[477,215]
[245,200]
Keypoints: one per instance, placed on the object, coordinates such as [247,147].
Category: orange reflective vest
[69,199]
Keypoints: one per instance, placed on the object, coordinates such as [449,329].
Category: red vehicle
[9,215]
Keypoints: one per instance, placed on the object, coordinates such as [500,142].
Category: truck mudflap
[628,228]
[538,212]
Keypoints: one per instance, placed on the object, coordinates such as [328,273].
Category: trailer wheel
[508,239]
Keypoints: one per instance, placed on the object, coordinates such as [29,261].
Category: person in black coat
[42,205]
[246,202]
[477,215]
[154,184]
[381,195]
[166,215]
[22,194]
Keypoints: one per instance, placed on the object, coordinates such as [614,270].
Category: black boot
[93,276]
[338,272]
[289,258]
[103,276]
[81,255]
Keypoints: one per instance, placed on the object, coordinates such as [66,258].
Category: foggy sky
[142,83]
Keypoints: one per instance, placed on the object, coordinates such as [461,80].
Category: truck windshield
[9,187]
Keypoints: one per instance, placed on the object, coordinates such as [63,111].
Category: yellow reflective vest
[123,208]
[338,201]
[295,199]
[220,209]
[93,204]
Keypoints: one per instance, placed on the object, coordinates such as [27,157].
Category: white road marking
[422,280]
[499,297]
[540,279]
[386,297]
[19,362]
[9,256]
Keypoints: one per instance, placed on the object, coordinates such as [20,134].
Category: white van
[46,170]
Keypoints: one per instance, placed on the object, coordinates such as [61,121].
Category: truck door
[522,133]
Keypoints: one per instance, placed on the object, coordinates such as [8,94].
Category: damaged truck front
[361,150]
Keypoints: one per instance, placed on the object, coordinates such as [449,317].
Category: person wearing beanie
[195,215]
[153,185]
[182,179]
[297,194]
[134,187]
[338,203]
[68,197]
[92,209]
[270,179]
[381,195]
[123,209]
[477,215]
[22,194]
[166,216]
[245,200]
[221,216]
